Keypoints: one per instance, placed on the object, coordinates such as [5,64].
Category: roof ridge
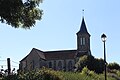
[37,49]
[41,55]
[60,50]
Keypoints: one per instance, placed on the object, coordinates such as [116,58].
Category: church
[61,59]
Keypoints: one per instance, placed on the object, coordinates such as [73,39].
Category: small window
[50,64]
[83,41]
[42,63]
[70,65]
[80,41]
[54,65]
[33,64]
[59,65]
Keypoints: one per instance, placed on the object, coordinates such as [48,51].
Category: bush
[91,63]
[118,73]
[43,74]
[48,74]
[85,70]
[10,77]
[114,65]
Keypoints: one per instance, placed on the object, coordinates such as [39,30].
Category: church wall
[48,63]
[30,62]
[42,63]
[35,62]
[68,66]
[61,64]
[56,64]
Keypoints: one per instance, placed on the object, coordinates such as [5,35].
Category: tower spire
[83,28]
[83,38]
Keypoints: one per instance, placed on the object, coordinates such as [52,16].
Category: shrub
[91,63]
[10,77]
[43,74]
[118,73]
[85,70]
[113,66]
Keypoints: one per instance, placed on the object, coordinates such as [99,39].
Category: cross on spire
[83,12]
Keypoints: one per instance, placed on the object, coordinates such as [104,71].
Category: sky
[57,30]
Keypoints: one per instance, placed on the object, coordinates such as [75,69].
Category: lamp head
[103,37]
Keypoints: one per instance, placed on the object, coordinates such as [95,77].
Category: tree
[91,63]
[20,13]
[85,61]
[99,65]
[113,66]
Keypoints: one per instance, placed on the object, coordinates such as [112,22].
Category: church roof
[40,53]
[63,54]
[83,28]
[36,51]
[51,55]
[56,55]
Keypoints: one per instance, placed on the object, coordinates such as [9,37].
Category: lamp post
[103,37]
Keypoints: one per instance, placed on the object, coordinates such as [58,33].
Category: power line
[3,60]
[14,66]
[15,62]
[3,65]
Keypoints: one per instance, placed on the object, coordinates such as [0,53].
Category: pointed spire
[83,28]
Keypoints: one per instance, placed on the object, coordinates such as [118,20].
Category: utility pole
[9,66]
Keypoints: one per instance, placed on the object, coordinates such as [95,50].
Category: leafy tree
[99,65]
[20,13]
[113,66]
[91,63]
[84,61]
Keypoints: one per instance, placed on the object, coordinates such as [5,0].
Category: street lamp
[103,37]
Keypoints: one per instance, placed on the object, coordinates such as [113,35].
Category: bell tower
[83,40]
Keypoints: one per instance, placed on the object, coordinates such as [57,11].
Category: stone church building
[58,60]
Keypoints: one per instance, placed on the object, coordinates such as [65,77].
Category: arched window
[50,64]
[32,65]
[59,65]
[82,41]
[42,63]
[70,65]
[54,67]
